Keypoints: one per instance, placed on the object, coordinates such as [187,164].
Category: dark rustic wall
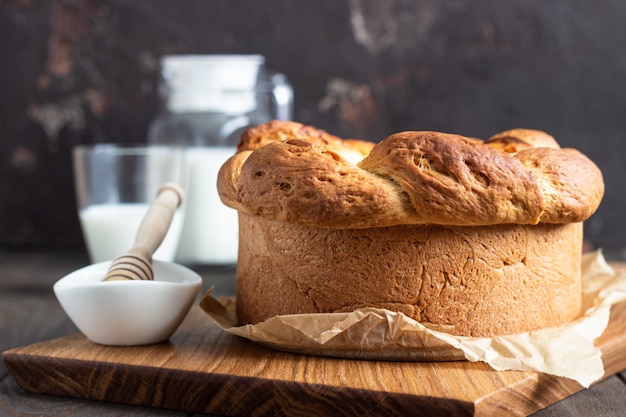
[82,71]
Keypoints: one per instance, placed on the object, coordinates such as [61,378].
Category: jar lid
[212,83]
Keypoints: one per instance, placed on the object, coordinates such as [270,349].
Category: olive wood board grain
[204,369]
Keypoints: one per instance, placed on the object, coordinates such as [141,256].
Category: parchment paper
[378,334]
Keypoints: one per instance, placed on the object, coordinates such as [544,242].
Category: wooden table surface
[30,313]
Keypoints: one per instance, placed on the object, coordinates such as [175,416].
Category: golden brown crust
[278,131]
[571,185]
[515,140]
[454,180]
[228,179]
[296,173]
[302,182]
[472,281]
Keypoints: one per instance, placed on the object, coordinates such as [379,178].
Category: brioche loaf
[470,237]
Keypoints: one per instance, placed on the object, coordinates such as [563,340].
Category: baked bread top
[299,174]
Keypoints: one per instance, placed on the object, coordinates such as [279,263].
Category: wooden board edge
[217,394]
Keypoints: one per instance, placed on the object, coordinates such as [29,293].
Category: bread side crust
[472,281]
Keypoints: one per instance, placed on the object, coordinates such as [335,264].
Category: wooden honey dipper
[136,264]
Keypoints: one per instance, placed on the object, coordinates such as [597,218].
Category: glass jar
[208,101]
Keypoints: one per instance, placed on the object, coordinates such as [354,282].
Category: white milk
[110,230]
[210,231]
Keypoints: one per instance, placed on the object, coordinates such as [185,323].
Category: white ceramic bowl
[125,313]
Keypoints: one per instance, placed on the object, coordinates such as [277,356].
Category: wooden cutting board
[204,369]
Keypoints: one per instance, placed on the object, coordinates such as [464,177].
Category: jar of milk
[208,101]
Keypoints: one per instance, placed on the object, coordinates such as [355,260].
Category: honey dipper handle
[137,262]
[156,222]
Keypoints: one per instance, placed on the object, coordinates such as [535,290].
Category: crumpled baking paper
[378,334]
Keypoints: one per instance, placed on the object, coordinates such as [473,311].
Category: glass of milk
[115,184]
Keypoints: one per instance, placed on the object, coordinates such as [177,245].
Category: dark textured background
[79,71]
